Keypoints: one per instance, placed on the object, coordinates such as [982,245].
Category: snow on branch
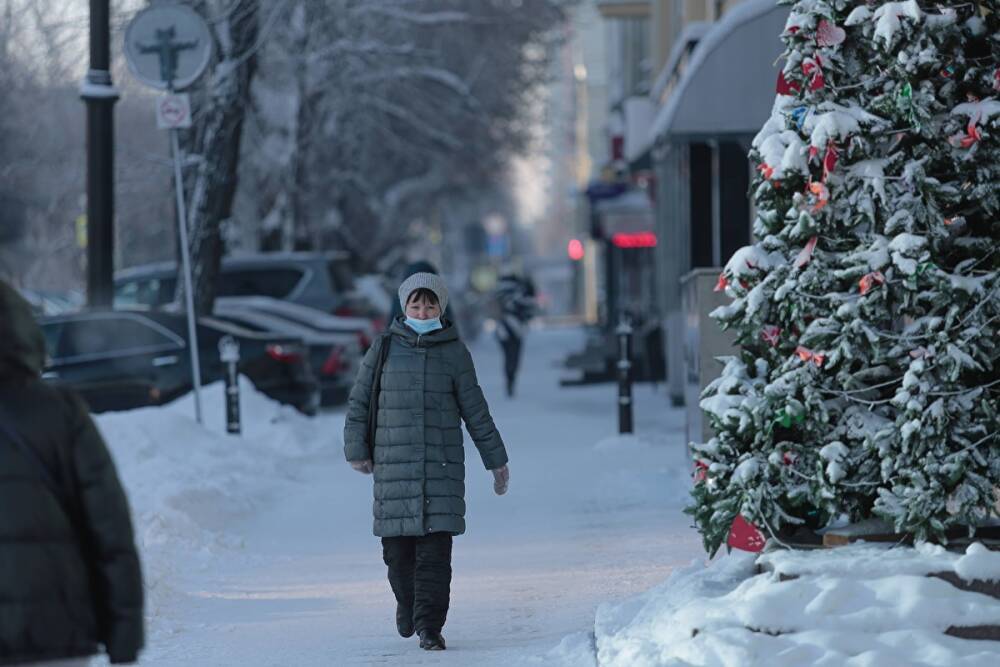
[418,18]
[438,75]
[430,181]
[406,115]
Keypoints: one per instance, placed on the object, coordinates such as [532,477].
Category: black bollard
[229,352]
[624,375]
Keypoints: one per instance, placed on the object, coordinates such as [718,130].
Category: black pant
[420,576]
[511,359]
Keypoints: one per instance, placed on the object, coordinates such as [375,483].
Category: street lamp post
[100,96]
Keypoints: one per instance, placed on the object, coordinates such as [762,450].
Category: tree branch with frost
[440,18]
[426,183]
[438,75]
[351,47]
[404,115]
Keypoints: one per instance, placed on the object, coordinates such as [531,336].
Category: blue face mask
[423,327]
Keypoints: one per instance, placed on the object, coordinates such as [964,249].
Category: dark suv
[321,280]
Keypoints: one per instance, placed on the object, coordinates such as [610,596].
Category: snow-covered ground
[258,549]
[857,606]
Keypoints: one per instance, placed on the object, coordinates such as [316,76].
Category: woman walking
[420,383]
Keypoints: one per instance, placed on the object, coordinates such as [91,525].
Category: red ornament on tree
[805,354]
[871,280]
[972,135]
[814,67]
[786,87]
[822,196]
[829,160]
[722,284]
[828,34]
[996,79]
[745,536]
[771,335]
[805,255]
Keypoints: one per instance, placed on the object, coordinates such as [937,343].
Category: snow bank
[187,482]
[866,561]
[857,605]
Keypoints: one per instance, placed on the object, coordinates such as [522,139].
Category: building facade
[690,84]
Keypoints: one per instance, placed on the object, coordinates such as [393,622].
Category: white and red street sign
[173,111]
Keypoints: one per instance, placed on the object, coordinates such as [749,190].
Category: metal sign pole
[186,264]
[168,46]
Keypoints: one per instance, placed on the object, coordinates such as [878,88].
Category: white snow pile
[860,605]
[186,483]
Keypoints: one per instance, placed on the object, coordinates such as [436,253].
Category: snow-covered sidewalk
[258,550]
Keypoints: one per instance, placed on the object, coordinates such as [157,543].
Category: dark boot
[431,640]
[404,620]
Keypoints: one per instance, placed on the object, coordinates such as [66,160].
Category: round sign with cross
[168,46]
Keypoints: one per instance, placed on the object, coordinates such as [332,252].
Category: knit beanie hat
[430,281]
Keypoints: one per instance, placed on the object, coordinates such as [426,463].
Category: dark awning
[629,213]
[728,87]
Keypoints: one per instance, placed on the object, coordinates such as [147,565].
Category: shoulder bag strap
[383,354]
[31,455]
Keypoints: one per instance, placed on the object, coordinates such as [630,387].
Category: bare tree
[398,105]
[219,114]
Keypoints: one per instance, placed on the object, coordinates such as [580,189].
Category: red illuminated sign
[575,250]
[637,240]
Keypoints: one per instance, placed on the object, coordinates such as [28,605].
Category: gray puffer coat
[429,387]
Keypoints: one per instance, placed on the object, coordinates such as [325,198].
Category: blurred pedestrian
[70,581]
[416,385]
[516,301]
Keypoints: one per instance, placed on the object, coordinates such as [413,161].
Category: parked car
[360,327]
[371,298]
[120,360]
[334,355]
[320,280]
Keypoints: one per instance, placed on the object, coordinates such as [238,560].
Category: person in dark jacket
[516,300]
[428,387]
[70,580]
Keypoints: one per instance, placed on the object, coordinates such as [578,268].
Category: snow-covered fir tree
[867,312]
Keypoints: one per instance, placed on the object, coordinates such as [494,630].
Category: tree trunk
[218,131]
